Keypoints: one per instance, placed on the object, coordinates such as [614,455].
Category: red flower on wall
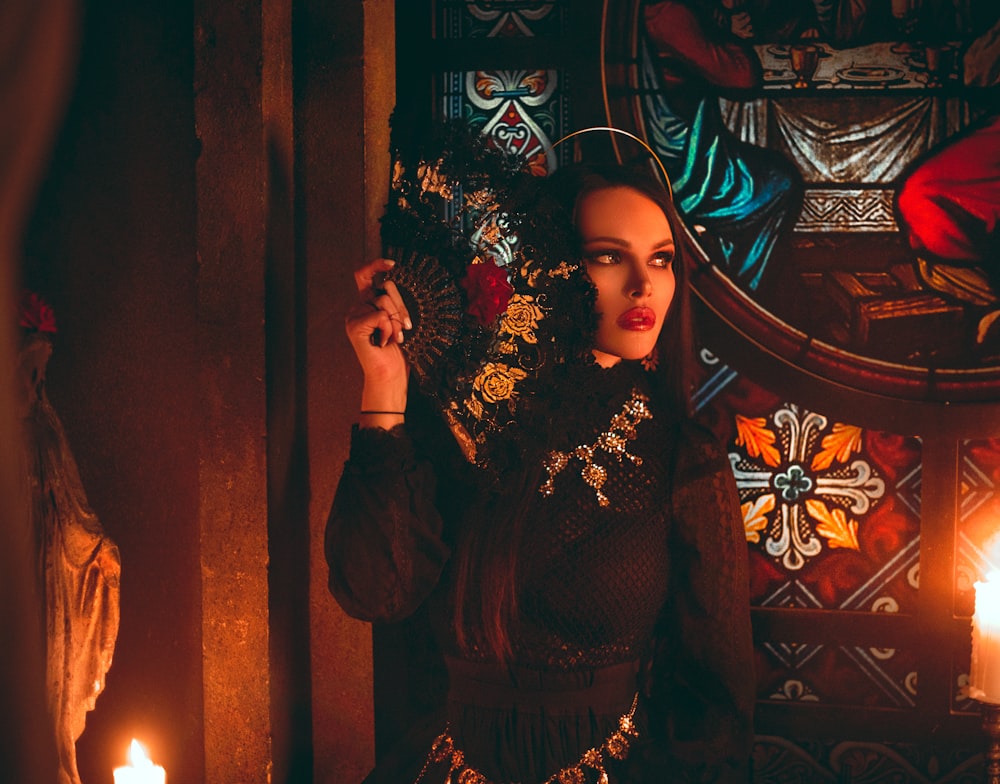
[488,290]
[35,313]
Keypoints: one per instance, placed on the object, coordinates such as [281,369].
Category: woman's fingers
[366,276]
[369,326]
[382,362]
[389,299]
[377,290]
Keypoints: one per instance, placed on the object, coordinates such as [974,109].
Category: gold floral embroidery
[521,318]
[482,198]
[496,381]
[491,234]
[612,442]
[397,174]
[563,270]
[432,181]
[475,407]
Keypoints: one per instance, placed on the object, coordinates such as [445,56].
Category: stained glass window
[522,111]
[831,513]
[499,19]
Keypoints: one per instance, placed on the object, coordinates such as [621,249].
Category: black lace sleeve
[384,539]
[703,680]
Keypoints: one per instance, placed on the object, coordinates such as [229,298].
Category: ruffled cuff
[374,449]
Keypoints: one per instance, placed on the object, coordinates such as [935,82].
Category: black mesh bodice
[592,578]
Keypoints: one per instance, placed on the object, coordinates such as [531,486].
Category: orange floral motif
[757,439]
[487,83]
[839,444]
[538,164]
[536,82]
[834,525]
[755,516]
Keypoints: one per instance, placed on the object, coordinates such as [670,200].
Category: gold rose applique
[520,320]
[612,442]
[495,382]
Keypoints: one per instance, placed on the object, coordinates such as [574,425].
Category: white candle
[140,768]
[984,675]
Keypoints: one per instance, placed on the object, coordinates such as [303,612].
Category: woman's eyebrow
[614,240]
[667,242]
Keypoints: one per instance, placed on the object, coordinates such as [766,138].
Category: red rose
[35,313]
[488,289]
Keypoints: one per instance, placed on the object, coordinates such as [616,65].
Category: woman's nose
[639,284]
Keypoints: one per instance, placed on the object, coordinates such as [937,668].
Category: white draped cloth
[873,150]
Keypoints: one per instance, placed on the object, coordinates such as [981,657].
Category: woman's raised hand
[375,327]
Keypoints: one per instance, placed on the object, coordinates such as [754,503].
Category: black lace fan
[436,306]
[483,260]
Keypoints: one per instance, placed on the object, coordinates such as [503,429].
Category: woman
[592,605]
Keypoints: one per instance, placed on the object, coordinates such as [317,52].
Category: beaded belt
[615,746]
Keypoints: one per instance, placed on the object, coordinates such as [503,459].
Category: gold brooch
[612,442]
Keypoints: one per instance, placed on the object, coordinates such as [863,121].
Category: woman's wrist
[382,406]
[378,418]
[382,396]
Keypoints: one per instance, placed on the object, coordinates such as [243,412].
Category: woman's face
[629,252]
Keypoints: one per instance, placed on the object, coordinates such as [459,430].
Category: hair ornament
[662,170]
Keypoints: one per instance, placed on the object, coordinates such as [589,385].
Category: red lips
[637,319]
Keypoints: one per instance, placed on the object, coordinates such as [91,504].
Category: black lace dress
[632,654]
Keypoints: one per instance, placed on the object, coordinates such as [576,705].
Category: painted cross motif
[799,486]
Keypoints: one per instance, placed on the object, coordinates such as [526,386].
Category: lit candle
[140,769]
[984,676]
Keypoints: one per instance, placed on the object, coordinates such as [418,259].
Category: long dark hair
[674,374]
[486,557]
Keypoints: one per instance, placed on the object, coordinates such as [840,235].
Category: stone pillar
[347,97]
[231,239]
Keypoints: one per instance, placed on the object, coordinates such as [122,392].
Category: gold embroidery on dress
[615,746]
[613,442]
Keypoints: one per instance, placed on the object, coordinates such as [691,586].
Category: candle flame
[137,756]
